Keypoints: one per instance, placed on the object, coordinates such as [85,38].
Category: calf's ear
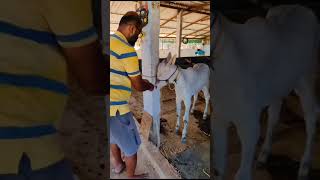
[168,58]
[173,60]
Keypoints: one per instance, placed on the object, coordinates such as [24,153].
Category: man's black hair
[131,17]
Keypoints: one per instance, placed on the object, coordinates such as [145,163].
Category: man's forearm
[89,67]
[141,84]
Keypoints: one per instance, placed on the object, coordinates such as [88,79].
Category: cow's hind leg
[195,98]
[248,130]
[220,150]
[187,104]
[307,98]
[207,98]
[178,106]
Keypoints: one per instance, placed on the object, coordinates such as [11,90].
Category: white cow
[256,64]
[188,82]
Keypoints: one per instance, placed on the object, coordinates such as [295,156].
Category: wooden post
[105,25]
[179,32]
[105,21]
[150,59]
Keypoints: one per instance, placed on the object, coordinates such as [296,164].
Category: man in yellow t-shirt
[39,41]
[124,72]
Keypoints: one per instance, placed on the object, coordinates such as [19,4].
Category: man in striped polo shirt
[39,41]
[124,72]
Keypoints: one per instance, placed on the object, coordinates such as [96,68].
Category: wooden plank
[146,123]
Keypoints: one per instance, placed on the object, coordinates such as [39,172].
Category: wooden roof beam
[173,5]
[163,19]
[201,19]
[197,31]
[203,34]
[170,19]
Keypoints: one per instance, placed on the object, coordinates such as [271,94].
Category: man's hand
[151,86]
[141,84]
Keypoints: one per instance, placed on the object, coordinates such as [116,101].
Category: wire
[149,76]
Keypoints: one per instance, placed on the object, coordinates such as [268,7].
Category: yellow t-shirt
[123,63]
[33,89]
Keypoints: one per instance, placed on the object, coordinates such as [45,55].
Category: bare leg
[118,162]
[131,163]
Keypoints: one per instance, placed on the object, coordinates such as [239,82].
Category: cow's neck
[182,79]
[174,78]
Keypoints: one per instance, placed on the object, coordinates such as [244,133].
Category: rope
[170,87]
[149,76]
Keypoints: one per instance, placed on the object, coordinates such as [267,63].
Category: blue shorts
[58,171]
[124,133]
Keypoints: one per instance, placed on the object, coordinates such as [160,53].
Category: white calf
[188,82]
[256,65]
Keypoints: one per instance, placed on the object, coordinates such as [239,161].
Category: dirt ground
[192,160]
[83,135]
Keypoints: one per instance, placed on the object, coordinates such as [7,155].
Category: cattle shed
[195,25]
[178,27]
[290,135]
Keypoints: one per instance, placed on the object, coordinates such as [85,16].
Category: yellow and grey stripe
[124,64]
[33,80]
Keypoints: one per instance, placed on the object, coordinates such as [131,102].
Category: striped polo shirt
[124,63]
[33,78]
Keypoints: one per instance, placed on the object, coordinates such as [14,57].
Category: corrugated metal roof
[195,24]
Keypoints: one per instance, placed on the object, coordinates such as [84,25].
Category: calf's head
[166,70]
